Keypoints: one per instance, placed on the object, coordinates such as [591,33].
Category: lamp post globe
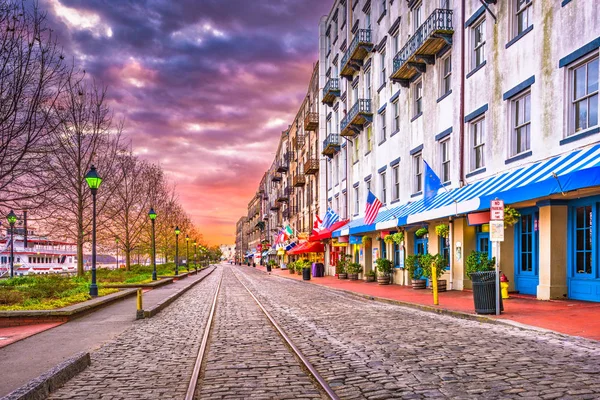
[152,216]
[177,232]
[94,181]
[12,219]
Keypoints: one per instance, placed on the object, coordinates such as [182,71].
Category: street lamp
[117,243]
[187,253]
[12,219]
[177,232]
[196,256]
[152,215]
[93,181]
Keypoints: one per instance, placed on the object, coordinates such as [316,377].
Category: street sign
[497,231]
[497,210]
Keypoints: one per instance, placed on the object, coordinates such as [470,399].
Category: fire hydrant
[504,286]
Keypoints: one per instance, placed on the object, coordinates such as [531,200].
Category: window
[445,250]
[395,44]
[344,12]
[446,4]
[482,234]
[446,74]
[369,138]
[337,119]
[336,171]
[355,94]
[383,128]
[584,103]
[356,201]
[523,15]
[368,84]
[417,16]
[368,185]
[329,174]
[383,73]
[445,158]
[396,110]
[396,183]
[478,44]
[583,240]
[345,205]
[328,44]
[337,205]
[521,124]
[478,144]
[345,161]
[418,173]
[383,247]
[329,126]
[368,19]
[356,149]
[383,188]
[418,98]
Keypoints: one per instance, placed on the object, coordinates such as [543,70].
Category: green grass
[46,292]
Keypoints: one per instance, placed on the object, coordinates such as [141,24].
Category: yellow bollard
[435,286]
[140,309]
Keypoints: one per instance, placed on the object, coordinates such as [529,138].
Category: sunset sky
[205,86]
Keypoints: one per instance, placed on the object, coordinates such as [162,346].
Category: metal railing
[440,19]
[361,106]
[311,121]
[332,84]
[362,36]
[333,139]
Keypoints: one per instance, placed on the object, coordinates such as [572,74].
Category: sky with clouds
[205,86]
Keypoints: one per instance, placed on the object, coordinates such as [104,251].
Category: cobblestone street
[363,349]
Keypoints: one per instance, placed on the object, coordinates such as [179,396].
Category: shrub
[384,265]
[342,265]
[413,266]
[478,261]
[438,261]
[442,230]
[354,268]
[398,237]
[421,232]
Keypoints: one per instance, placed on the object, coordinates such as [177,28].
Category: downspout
[451,252]
[461,136]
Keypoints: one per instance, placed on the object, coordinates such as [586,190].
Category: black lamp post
[177,232]
[152,215]
[187,253]
[93,181]
[196,256]
[12,219]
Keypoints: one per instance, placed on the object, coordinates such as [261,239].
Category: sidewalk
[570,317]
[30,357]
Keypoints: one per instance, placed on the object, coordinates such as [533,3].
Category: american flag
[330,218]
[373,206]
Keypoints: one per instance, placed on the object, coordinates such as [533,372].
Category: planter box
[353,277]
[342,276]
[370,278]
[419,284]
[383,280]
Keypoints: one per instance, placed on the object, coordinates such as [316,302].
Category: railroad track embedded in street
[277,356]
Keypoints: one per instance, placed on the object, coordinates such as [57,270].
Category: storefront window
[483,239]
[445,250]
[420,245]
[583,239]
[527,242]
[383,248]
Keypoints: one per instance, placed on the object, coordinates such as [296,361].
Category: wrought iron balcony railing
[311,166]
[331,91]
[300,139]
[421,48]
[311,121]
[358,49]
[276,177]
[299,180]
[359,114]
[331,144]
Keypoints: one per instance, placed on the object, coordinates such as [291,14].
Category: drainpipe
[451,252]
[461,136]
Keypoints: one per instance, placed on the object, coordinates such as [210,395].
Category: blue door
[527,240]
[583,273]
[482,235]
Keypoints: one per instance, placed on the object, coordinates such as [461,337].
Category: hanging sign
[497,210]
[497,231]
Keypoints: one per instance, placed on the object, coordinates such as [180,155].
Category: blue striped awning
[575,170]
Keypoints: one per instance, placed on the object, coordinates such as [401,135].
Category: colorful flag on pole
[372,209]
[288,230]
[330,218]
[432,185]
[317,225]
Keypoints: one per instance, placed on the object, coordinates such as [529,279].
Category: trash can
[484,295]
[306,274]
[268,267]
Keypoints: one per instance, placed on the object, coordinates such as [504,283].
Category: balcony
[282,166]
[300,139]
[431,37]
[311,121]
[283,196]
[357,117]
[299,180]
[285,214]
[274,206]
[331,91]
[331,144]
[276,177]
[311,166]
[359,48]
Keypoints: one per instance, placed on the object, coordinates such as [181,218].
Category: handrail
[332,139]
[332,84]
[362,36]
[361,106]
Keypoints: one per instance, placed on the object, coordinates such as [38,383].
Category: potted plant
[511,216]
[398,238]
[354,269]
[415,271]
[291,266]
[370,276]
[442,230]
[271,264]
[421,232]
[366,240]
[388,239]
[340,268]
[384,267]
[480,268]
[304,269]
[439,262]
[299,267]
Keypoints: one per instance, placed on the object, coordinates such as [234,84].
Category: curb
[151,285]
[164,303]
[442,311]
[50,381]
[15,318]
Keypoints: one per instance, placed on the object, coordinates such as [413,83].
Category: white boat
[41,255]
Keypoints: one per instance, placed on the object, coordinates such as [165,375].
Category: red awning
[308,247]
[478,218]
[326,233]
